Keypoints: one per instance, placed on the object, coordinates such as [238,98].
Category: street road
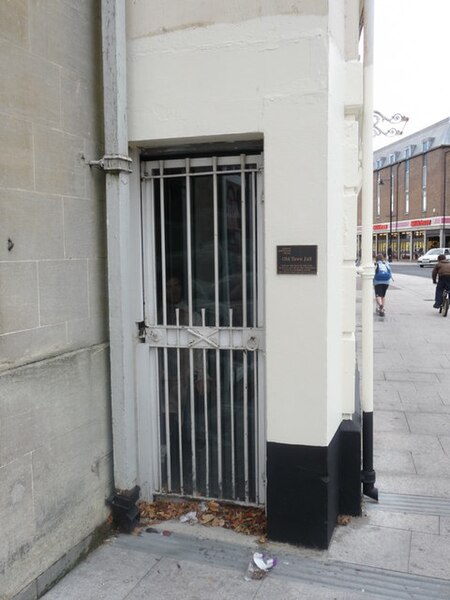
[411,269]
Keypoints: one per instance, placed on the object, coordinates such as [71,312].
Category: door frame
[147,412]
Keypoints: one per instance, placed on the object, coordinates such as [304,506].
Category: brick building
[411,212]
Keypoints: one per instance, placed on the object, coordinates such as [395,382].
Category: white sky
[412,62]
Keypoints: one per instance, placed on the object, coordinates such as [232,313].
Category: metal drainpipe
[397,182]
[444,201]
[368,476]
[116,164]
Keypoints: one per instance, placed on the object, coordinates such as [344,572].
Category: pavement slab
[109,573]
[402,520]
[386,420]
[360,543]
[430,555]
[394,461]
[399,549]
[433,424]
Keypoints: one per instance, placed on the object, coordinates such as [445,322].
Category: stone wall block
[98,288]
[59,163]
[93,330]
[19,434]
[17,516]
[95,177]
[16,153]
[59,395]
[14,22]
[63,291]
[18,298]
[85,228]
[51,397]
[67,34]
[101,384]
[81,106]
[54,496]
[24,346]
[34,222]
[64,474]
[29,86]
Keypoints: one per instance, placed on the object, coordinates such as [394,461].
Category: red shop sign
[420,222]
[378,227]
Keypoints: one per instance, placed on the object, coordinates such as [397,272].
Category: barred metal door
[202,221]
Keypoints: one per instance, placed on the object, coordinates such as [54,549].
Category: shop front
[407,240]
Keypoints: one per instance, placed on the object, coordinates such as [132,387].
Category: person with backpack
[381,281]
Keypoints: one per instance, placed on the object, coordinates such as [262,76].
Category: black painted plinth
[309,486]
[350,468]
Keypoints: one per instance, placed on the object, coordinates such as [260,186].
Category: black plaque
[297,260]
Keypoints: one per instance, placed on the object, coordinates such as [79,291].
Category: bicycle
[445,303]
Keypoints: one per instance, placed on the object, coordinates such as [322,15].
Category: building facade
[411,183]
[253,387]
[55,413]
[170,183]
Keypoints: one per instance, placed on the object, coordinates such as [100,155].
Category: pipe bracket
[113,163]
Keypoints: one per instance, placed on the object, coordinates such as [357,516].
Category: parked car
[429,259]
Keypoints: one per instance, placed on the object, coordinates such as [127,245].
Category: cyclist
[441,272]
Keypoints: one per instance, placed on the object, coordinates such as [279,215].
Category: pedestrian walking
[441,276]
[381,282]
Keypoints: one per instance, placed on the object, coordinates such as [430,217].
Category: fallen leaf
[206,518]
[343,520]
[262,540]
[213,506]
[248,520]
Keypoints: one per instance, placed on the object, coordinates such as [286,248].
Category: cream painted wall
[221,79]
[153,17]
[268,75]
[335,216]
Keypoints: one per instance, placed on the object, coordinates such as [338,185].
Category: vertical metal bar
[245,383]
[189,239]
[216,244]
[260,396]
[164,303]
[163,244]
[254,250]
[233,458]
[219,426]
[205,408]
[151,297]
[254,267]
[167,420]
[217,323]
[255,425]
[155,370]
[244,321]
[191,355]
[243,244]
[192,406]
[150,287]
[180,433]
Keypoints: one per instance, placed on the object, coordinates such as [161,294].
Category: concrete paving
[399,548]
